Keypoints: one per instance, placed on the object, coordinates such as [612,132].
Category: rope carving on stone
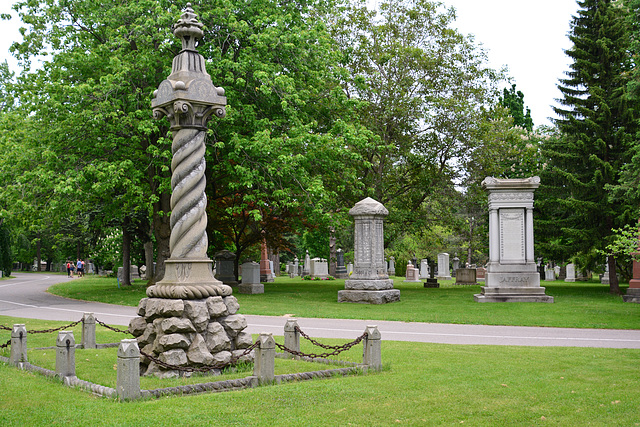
[188,199]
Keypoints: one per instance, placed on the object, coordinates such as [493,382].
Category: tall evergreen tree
[596,123]
[514,100]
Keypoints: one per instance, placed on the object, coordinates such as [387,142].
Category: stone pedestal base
[189,333]
[369,297]
[515,294]
[266,278]
[431,283]
[444,277]
[251,288]
[368,284]
[633,295]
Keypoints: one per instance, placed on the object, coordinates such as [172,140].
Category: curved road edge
[26,296]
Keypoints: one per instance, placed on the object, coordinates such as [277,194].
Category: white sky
[529,37]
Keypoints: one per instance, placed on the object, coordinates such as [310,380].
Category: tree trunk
[333,255]
[38,254]
[614,286]
[162,231]
[148,259]
[126,254]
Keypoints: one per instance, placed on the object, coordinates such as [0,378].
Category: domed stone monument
[369,283]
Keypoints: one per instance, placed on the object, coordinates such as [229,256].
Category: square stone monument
[571,273]
[511,272]
[411,274]
[369,283]
[251,279]
[443,266]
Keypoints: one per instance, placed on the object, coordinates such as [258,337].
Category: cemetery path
[26,296]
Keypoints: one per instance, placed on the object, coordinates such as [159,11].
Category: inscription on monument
[512,239]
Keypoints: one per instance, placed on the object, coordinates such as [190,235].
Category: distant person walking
[79,268]
[69,273]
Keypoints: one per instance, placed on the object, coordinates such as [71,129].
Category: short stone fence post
[18,352]
[65,354]
[88,331]
[372,355]
[264,365]
[128,375]
[291,337]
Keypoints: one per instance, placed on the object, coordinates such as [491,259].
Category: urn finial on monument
[188,98]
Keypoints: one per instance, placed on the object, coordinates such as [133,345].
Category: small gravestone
[251,279]
[341,270]
[306,269]
[549,274]
[411,275]
[456,265]
[319,268]
[604,279]
[431,282]
[466,276]
[424,268]
[571,273]
[369,283]
[349,269]
[443,266]
[224,267]
[481,274]
[392,266]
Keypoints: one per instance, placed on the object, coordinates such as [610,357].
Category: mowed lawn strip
[577,305]
[421,384]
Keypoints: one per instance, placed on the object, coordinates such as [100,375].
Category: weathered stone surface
[234,324]
[148,336]
[158,307]
[243,340]
[148,348]
[222,357]
[137,326]
[170,341]
[176,356]
[369,285]
[197,311]
[246,358]
[369,297]
[142,305]
[232,304]
[217,338]
[216,307]
[175,324]
[198,352]
[251,288]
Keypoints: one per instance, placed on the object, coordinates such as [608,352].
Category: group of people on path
[78,267]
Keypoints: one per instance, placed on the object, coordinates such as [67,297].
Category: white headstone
[511,275]
[549,274]
[424,269]
[251,279]
[443,266]
[571,273]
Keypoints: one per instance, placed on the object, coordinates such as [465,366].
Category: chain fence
[337,349]
[122,331]
[203,368]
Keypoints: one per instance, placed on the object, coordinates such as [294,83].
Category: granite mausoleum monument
[189,318]
[511,272]
[369,283]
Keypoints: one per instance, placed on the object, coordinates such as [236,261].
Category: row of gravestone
[568,273]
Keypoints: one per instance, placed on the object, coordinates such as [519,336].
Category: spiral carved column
[188,98]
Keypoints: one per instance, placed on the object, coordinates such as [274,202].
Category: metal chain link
[336,349]
[112,328]
[204,368]
[5,328]
[46,331]
[5,345]
[319,344]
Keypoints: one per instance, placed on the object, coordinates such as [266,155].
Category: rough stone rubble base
[189,333]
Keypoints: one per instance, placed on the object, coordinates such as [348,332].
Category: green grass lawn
[422,384]
[577,305]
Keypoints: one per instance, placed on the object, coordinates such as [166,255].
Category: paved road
[25,296]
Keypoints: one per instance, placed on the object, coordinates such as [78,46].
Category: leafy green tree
[514,100]
[597,124]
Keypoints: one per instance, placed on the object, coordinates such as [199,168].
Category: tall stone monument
[189,318]
[369,283]
[511,272]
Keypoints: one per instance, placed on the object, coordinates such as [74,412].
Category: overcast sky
[528,37]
